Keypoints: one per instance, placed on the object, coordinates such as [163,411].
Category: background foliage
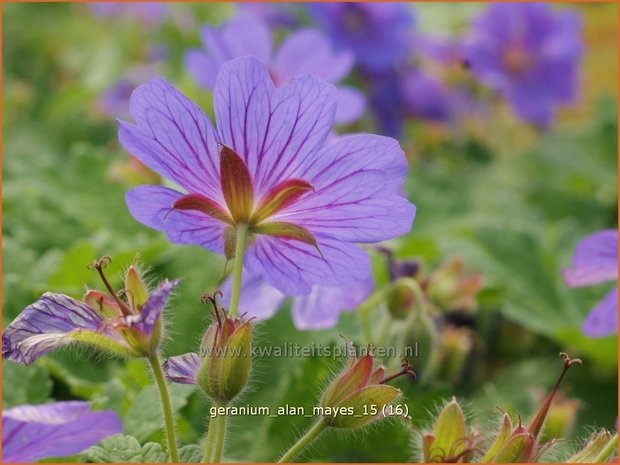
[508,199]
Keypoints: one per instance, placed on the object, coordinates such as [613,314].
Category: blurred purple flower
[35,432]
[114,102]
[306,204]
[305,51]
[529,53]
[274,15]
[596,261]
[407,93]
[378,34]
[149,13]
[318,310]
[56,320]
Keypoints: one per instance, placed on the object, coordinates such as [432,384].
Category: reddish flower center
[243,208]
[516,59]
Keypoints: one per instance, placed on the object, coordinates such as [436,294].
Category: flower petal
[351,105]
[293,267]
[35,432]
[202,67]
[45,325]
[153,307]
[182,369]
[603,319]
[308,51]
[272,130]
[153,207]
[357,182]
[595,259]
[258,299]
[322,307]
[173,137]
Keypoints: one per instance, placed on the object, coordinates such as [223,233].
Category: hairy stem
[303,442]
[220,436]
[380,295]
[208,447]
[242,232]
[166,407]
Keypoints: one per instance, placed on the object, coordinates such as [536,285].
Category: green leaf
[24,384]
[190,454]
[144,416]
[122,448]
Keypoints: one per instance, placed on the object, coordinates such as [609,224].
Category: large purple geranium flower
[320,309]
[35,432]
[129,327]
[530,54]
[379,34]
[305,51]
[306,204]
[596,261]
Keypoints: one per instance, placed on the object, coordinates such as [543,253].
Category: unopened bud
[226,356]
[359,395]
[449,441]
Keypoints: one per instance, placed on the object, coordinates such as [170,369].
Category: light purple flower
[379,34]
[407,93]
[596,261]
[104,321]
[149,13]
[318,310]
[35,432]
[305,51]
[529,53]
[274,15]
[307,204]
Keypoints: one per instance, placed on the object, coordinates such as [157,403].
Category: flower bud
[599,449]
[451,289]
[133,312]
[520,443]
[359,395]
[455,345]
[449,441]
[226,357]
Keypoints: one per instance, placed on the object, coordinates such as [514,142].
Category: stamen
[212,299]
[99,265]
[406,370]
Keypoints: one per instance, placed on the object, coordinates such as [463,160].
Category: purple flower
[35,432]
[378,34]
[305,51]
[530,54]
[274,15]
[306,204]
[407,93]
[320,309]
[595,261]
[149,13]
[126,327]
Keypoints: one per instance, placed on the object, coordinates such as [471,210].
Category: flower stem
[166,407]
[220,436]
[208,448]
[306,439]
[380,295]
[608,450]
[242,232]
